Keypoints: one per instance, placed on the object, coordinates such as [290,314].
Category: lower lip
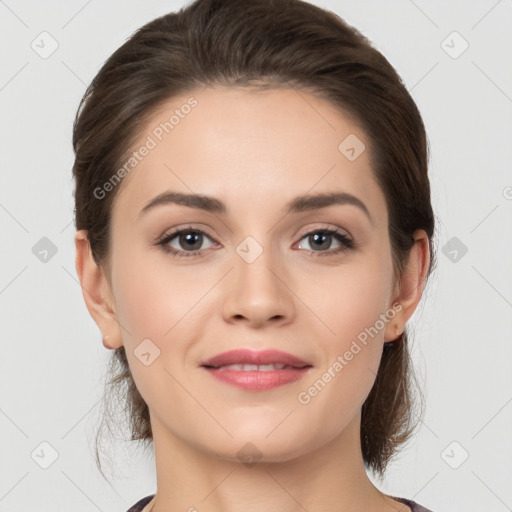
[258,380]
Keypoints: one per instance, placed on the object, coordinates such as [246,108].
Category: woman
[254,231]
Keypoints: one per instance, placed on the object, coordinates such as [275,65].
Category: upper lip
[245,356]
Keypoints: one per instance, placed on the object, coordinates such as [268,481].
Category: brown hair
[262,43]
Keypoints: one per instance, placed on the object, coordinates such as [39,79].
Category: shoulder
[141,504]
[415,507]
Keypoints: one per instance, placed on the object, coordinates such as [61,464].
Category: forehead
[262,146]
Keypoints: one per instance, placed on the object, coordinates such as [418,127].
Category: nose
[258,292]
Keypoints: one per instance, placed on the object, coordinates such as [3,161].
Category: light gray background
[52,360]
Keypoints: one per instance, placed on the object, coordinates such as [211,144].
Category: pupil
[323,236]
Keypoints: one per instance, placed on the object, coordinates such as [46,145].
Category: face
[256,270]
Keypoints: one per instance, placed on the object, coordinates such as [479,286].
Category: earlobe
[96,292]
[411,284]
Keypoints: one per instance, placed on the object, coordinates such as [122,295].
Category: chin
[255,447]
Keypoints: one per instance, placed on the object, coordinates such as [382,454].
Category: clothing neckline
[139,506]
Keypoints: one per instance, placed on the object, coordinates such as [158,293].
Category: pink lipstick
[256,371]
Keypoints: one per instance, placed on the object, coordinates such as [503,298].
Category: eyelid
[186,227]
[324,227]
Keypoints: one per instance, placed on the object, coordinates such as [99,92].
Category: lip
[245,356]
[256,380]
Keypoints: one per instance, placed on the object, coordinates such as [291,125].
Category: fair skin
[255,152]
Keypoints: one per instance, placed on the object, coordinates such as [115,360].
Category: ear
[409,288]
[96,292]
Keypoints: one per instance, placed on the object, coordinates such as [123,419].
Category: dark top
[415,507]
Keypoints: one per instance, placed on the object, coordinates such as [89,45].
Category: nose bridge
[258,292]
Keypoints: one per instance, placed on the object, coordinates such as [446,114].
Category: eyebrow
[296,205]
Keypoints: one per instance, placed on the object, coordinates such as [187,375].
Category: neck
[332,477]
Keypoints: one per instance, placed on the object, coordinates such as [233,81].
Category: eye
[323,238]
[190,242]
[190,239]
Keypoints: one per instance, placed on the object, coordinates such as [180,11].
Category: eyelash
[346,243]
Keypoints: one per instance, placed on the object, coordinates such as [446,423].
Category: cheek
[152,306]
[351,301]
[157,302]
[352,348]
[152,297]
[353,307]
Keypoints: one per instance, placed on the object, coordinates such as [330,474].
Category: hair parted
[262,44]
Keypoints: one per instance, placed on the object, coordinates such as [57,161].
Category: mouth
[256,371]
[254,367]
